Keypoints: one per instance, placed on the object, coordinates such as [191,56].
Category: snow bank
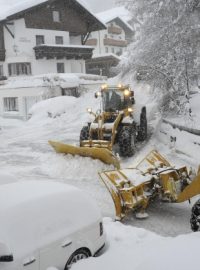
[132,248]
[53,107]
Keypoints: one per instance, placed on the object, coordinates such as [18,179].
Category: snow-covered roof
[106,55]
[119,12]
[22,5]
[66,46]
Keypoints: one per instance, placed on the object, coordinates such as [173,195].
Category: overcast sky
[99,5]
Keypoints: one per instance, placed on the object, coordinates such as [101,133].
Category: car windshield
[114,100]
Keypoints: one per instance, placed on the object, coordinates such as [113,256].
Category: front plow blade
[102,154]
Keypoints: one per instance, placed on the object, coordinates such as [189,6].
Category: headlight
[130,110]
[104,86]
[127,92]
[89,110]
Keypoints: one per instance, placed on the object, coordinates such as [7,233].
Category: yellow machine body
[133,188]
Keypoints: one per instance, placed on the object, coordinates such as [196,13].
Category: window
[11,104]
[56,16]
[39,40]
[113,50]
[59,40]
[16,69]
[60,68]
[106,49]
[1,70]
[106,35]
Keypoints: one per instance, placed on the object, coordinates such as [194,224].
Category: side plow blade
[190,191]
[102,154]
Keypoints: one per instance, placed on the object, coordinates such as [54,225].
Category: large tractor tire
[126,141]
[195,217]
[142,132]
[84,135]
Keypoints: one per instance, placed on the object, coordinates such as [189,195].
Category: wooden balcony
[115,42]
[2,55]
[63,52]
[91,42]
[114,30]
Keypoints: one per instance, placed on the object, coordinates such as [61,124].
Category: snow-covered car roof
[32,213]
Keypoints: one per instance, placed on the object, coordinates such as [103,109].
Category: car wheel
[78,255]
[195,217]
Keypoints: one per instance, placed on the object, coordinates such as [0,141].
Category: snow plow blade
[102,154]
[134,188]
[191,190]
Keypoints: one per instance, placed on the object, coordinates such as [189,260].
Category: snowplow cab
[117,98]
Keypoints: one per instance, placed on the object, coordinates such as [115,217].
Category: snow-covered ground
[26,155]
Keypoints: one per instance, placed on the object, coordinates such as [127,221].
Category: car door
[56,254]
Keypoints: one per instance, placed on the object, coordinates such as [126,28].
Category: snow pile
[132,248]
[53,107]
[63,80]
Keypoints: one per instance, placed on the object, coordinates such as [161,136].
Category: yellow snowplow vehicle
[154,176]
[113,125]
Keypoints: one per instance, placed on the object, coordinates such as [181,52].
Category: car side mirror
[5,254]
[6,258]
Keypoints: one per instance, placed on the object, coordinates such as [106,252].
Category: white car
[44,224]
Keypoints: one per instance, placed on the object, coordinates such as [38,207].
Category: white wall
[77,66]
[75,40]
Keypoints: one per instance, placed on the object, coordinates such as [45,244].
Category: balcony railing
[63,52]
[2,55]
[114,42]
[91,42]
[114,30]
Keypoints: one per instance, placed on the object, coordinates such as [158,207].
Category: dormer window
[56,16]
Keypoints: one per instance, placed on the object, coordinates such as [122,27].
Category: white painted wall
[75,40]
[77,66]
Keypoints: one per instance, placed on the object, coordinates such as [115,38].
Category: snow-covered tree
[166,52]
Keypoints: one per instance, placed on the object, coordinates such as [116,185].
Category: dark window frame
[1,70]
[59,40]
[60,67]
[11,104]
[21,68]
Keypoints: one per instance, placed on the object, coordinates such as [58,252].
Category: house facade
[45,38]
[109,43]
